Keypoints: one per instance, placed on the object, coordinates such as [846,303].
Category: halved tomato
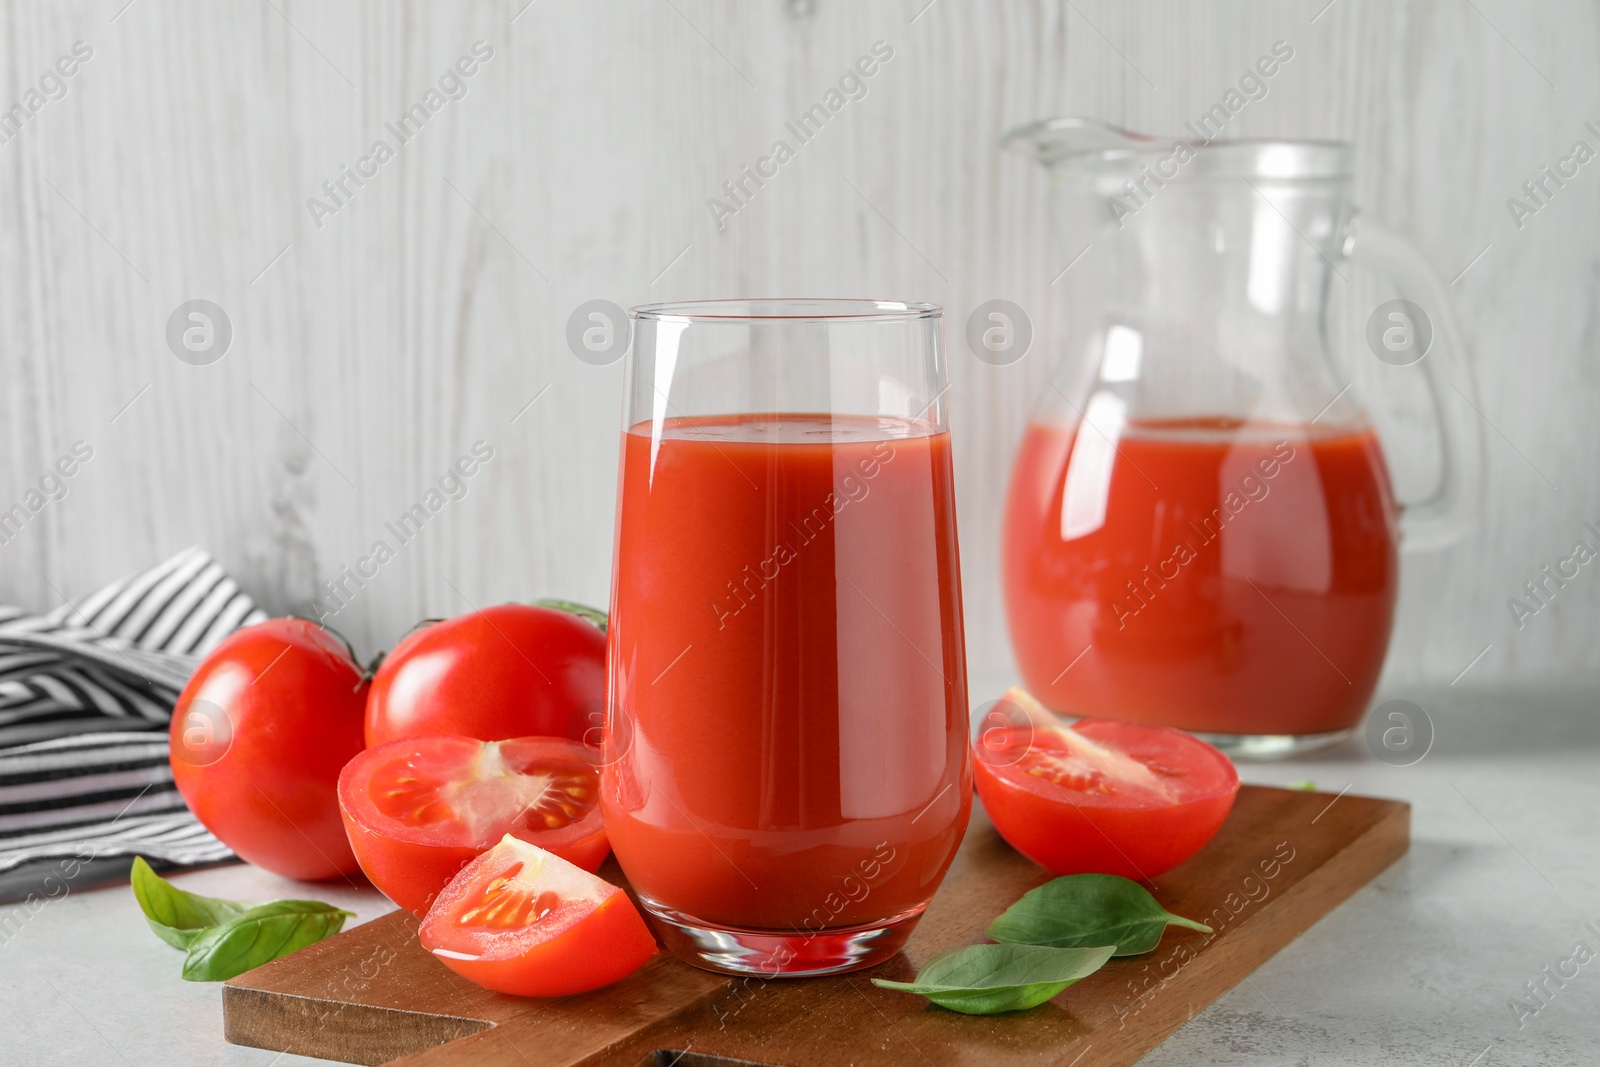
[419,809]
[524,921]
[1099,796]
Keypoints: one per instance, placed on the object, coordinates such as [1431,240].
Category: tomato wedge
[419,809]
[1099,796]
[524,921]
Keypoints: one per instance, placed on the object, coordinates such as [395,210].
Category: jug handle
[1446,515]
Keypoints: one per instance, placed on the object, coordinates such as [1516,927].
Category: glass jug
[1200,530]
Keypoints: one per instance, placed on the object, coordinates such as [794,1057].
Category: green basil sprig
[1081,910]
[260,935]
[177,917]
[1055,935]
[986,979]
[224,938]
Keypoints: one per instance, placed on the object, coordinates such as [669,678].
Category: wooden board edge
[1192,989]
[365,1034]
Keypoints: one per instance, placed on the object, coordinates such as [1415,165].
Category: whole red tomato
[503,672]
[258,738]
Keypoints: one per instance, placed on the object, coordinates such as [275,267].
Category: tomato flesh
[522,920]
[1101,796]
[419,809]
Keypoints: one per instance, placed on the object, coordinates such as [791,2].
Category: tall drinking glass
[787,775]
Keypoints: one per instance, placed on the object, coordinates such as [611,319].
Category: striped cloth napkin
[86,693]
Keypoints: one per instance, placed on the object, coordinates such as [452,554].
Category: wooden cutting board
[1282,861]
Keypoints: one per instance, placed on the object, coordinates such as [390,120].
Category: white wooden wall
[430,310]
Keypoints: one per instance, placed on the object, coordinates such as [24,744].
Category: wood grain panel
[428,312]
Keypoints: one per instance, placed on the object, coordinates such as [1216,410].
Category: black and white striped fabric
[86,693]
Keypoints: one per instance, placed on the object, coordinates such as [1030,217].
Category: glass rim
[788,309]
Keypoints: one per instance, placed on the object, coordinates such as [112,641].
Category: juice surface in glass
[787,662]
[1218,575]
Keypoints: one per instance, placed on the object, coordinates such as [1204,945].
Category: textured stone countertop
[1420,968]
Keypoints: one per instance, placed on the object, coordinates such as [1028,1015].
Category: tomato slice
[1099,796]
[419,809]
[524,921]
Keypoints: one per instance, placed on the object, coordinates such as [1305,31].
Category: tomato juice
[787,670]
[1217,575]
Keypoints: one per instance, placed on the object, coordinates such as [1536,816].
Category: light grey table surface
[1419,968]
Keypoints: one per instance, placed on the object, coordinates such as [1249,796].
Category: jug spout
[1079,143]
[1050,140]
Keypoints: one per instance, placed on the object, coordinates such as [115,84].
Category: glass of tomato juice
[786,770]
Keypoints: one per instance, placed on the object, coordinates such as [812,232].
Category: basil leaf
[260,935]
[228,937]
[572,607]
[1088,909]
[1307,786]
[177,916]
[986,979]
